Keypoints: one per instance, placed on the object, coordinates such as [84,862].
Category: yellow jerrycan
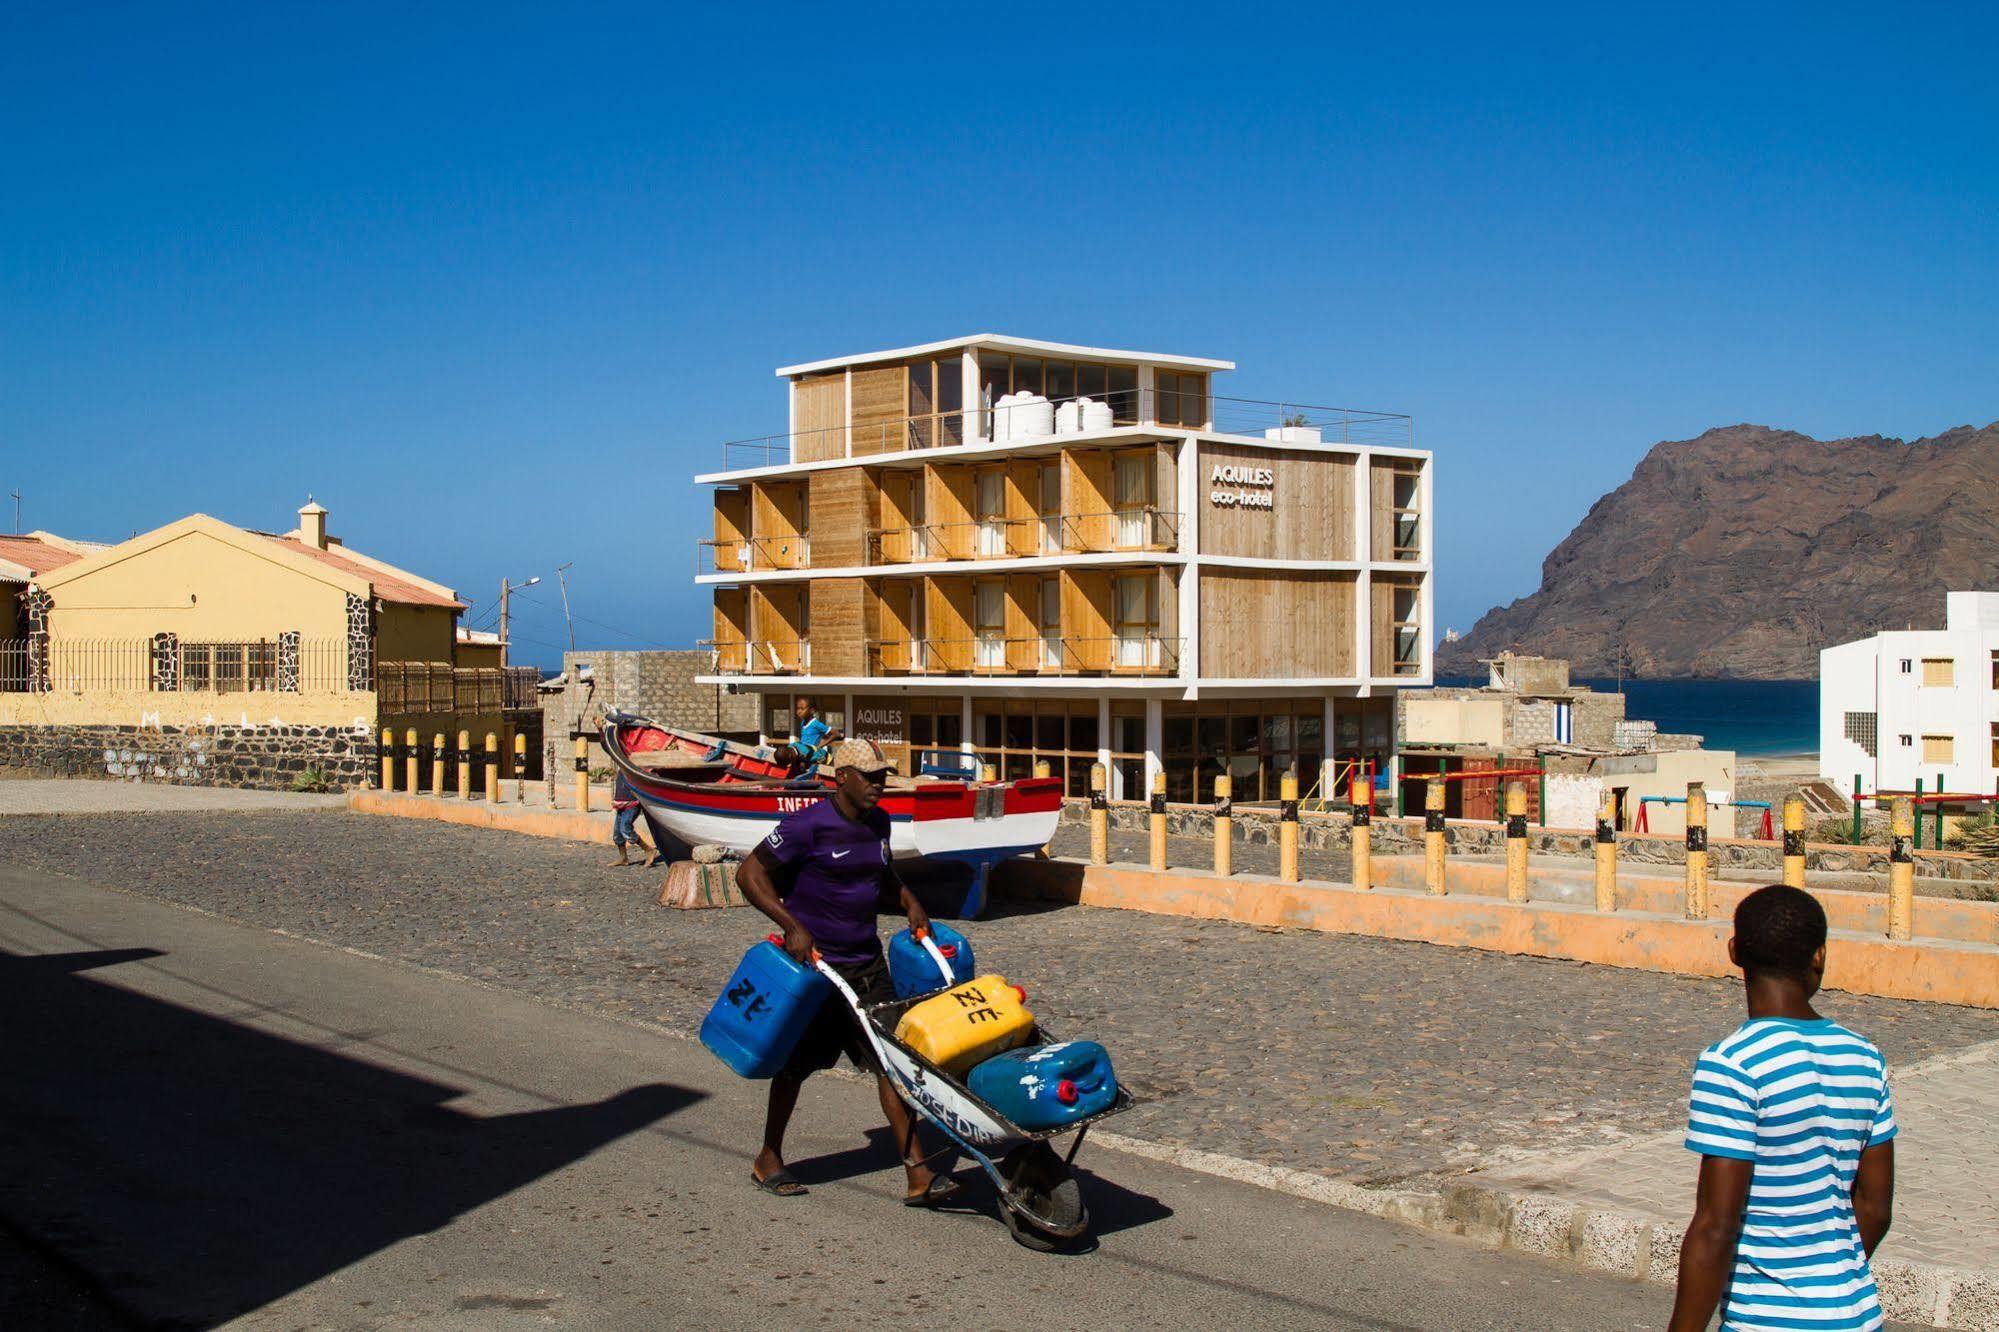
[967,1023]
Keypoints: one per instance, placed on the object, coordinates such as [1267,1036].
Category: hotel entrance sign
[1234,487]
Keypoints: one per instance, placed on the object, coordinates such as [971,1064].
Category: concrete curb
[1599,1239]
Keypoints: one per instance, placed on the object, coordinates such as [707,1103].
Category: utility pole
[559,578]
[17,511]
[506,588]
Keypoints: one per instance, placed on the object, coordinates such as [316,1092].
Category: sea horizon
[1756,718]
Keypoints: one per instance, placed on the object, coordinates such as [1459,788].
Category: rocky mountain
[1743,552]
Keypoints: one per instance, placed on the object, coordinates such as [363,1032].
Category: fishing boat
[704,789]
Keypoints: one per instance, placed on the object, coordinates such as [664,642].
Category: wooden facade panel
[1087,618]
[818,417]
[777,524]
[732,528]
[839,626]
[777,628]
[1381,504]
[1279,624]
[732,628]
[1311,505]
[947,615]
[840,515]
[1086,498]
[894,608]
[1382,620]
[881,405]
[947,506]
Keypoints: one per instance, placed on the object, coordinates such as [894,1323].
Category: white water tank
[1003,417]
[1095,415]
[1068,418]
[1032,415]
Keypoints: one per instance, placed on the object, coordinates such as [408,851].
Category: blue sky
[493,282]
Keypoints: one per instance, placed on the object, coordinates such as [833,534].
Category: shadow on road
[197,1168]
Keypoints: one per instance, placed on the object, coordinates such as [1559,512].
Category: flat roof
[1001,342]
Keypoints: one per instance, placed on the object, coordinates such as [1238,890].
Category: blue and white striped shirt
[1802,1100]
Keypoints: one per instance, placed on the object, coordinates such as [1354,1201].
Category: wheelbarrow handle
[936,955]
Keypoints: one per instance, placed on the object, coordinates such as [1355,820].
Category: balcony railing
[752,554]
[1292,422]
[1040,655]
[1142,528]
[758,656]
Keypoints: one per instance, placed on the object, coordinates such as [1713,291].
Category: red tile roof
[387,586]
[35,554]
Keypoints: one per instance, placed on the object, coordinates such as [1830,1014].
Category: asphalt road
[225,1124]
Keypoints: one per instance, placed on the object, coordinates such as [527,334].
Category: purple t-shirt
[837,890]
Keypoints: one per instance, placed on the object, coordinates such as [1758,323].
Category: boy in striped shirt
[1793,1122]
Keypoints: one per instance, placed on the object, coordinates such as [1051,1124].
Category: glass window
[1048,730]
[1083,731]
[995,382]
[1179,735]
[1019,731]
[1242,734]
[1026,375]
[951,728]
[950,386]
[1129,733]
[987,730]
[1060,379]
[1122,390]
[1092,381]
[922,728]
[920,401]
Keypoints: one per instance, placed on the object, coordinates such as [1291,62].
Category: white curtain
[992,515]
[989,649]
[1135,647]
[1132,497]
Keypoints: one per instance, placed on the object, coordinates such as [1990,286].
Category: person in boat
[823,875]
[816,739]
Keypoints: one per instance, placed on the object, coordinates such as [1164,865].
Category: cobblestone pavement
[1368,1060]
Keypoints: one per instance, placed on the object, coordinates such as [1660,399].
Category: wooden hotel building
[1029,551]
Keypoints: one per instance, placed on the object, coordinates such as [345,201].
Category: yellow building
[291,645]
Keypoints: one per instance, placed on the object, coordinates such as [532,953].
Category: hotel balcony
[1040,655]
[1139,529]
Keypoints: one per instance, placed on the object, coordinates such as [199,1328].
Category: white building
[1917,703]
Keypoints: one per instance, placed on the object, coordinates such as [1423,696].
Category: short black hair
[1777,929]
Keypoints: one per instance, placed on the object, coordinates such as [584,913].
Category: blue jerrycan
[913,970]
[1041,1087]
[763,1010]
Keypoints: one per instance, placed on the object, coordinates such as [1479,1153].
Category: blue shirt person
[1795,1128]
[814,744]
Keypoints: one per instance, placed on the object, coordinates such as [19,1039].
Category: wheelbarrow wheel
[1042,1200]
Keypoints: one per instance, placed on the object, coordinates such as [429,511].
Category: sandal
[780,1183]
[941,1189]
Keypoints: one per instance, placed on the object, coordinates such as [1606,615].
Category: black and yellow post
[1433,837]
[492,768]
[1697,883]
[412,763]
[1794,842]
[464,765]
[1158,847]
[1606,854]
[1224,826]
[1100,818]
[437,752]
[582,772]
[388,758]
[1901,869]
[1361,800]
[1287,827]
[520,768]
[1516,842]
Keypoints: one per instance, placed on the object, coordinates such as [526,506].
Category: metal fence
[165,664]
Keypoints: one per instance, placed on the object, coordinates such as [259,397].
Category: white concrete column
[847,415]
[975,427]
[1148,398]
[1329,770]
[1427,529]
[1363,523]
[1189,500]
[1104,745]
[965,726]
[1155,741]
[847,714]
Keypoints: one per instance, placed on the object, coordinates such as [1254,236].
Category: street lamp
[505,588]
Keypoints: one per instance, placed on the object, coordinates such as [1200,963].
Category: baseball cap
[864,755]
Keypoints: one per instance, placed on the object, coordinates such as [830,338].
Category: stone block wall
[262,757]
[657,684]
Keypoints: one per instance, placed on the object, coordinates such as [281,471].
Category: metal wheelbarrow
[1040,1199]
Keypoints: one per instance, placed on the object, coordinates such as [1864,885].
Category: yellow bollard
[1287,828]
[1794,842]
[1433,837]
[1901,870]
[1697,894]
[464,765]
[412,771]
[437,765]
[1042,769]
[1361,800]
[1100,818]
[520,768]
[492,768]
[583,773]
[1224,826]
[1158,820]
[388,758]
[1516,842]
[1606,855]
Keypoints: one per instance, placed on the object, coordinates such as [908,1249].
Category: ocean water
[1752,717]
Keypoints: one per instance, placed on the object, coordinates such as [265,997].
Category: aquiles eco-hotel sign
[1231,486]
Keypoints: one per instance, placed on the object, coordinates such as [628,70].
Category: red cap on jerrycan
[948,950]
[1020,990]
[1065,1092]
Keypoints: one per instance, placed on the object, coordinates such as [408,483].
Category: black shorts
[836,1030]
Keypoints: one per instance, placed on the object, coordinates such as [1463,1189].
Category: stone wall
[656,684]
[262,757]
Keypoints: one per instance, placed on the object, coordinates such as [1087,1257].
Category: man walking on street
[1793,1121]
[823,876]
